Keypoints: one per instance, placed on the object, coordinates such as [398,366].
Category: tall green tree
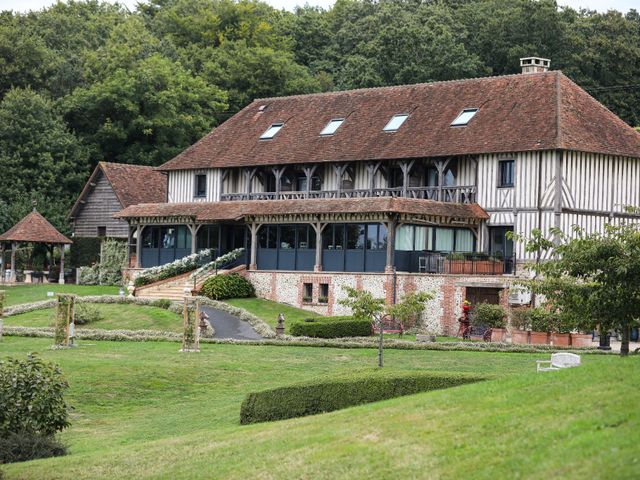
[592,279]
[39,157]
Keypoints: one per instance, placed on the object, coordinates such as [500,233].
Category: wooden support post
[277,173]
[441,165]
[391,245]
[14,247]
[253,259]
[309,171]
[61,277]
[193,228]
[3,267]
[372,169]
[339,169]
[139,229]
[318,227]
[406,169]
[249,173]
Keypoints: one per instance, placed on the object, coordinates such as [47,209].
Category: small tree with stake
[592,279]
[364,306]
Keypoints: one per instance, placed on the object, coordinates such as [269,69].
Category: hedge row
[331,327]
[334,394]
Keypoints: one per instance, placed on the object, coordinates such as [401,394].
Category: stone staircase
[174,288]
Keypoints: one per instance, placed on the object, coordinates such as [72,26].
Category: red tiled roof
[524,112]
[215,211]
[34,228]
[132,184]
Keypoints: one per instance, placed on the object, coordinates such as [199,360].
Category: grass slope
[33,293]
[142,410]
[115,317]
[269,310]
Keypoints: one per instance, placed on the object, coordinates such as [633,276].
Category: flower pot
[519,336]
[539,338]
[561,339]
[581,340]
[498,334]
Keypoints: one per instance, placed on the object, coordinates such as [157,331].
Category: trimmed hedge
[221,287]
[331,327]
[334,394]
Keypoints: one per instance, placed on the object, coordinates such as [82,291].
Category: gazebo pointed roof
[34,228]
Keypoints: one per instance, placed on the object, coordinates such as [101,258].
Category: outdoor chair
[558,361]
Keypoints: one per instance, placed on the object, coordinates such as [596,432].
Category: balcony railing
[458,194]
[453,263]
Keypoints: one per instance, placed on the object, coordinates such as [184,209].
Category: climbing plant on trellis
[191,334]
[1,311]
[64,318]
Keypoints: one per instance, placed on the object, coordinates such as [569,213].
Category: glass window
[355,236]
[404,237]
[432,177]
[287,237]
[302,183]
[396,122]
[168,237]
[207,237]
[150,237]
[332,126]
[271,131]
[444,239]
[201,185]
[382,237]
[306,237]
[183,237]
[507,171]
[464,117]
[424,238]
[464,240]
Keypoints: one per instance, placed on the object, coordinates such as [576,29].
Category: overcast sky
[600,5]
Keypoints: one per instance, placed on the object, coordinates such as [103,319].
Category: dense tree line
[87,81]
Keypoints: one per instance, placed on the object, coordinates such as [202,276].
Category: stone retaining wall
[440,314]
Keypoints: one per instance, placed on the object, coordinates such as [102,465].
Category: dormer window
[332,126]
[464,117]
[271,131]
[396,122]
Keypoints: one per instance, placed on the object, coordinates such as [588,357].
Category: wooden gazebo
[33,228]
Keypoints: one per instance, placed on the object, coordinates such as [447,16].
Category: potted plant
[494,317]
[520,324]
[560,334]
[540,321]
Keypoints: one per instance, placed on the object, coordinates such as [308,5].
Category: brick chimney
[534,64]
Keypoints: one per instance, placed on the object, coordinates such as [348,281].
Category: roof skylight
[332,126]
[271,131]
[465,117]
[396,122]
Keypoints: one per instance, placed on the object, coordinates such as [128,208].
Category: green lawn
[115,317]
[268,311]
[143,410]
[33,293]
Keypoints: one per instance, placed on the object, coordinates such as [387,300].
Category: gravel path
[228,326]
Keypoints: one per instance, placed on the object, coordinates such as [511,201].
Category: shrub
[84,251]
[220,287]
[521,318]
[32,409]
[493,316]
[31,397]
[21,447]
[331,327]
[333,394]
[161,303]
[85,313]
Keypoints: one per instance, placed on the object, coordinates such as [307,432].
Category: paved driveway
[228,326]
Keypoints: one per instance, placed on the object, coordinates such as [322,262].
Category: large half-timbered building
[397,188]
